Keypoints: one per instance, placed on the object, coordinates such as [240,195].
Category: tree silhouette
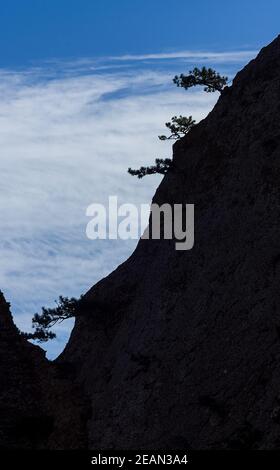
[161,166]
[179,126]
[211,80]
[42,322]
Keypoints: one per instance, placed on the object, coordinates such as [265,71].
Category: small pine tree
[179,126]
[42,322]
[211,80]
[161,166]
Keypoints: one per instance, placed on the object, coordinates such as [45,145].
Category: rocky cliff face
[40,407]
[181,349]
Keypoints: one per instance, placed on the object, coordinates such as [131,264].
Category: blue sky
[32,30]
[85,89]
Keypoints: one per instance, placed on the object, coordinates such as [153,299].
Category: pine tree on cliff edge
[180,126]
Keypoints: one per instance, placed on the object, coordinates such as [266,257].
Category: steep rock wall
[181,349]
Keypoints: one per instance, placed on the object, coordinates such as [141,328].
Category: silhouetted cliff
[181,349]
[40,407]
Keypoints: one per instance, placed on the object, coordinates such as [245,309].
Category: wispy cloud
[67,136]
[205,56]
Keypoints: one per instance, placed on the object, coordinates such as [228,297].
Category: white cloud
[206,56]
[66,141]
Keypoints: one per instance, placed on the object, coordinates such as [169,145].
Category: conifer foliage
[209,78]
[43,322]
[179,126]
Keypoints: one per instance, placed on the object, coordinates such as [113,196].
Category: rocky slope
[40,407]
[181,349]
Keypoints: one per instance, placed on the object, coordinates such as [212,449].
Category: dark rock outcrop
[40,407]
[181,349]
